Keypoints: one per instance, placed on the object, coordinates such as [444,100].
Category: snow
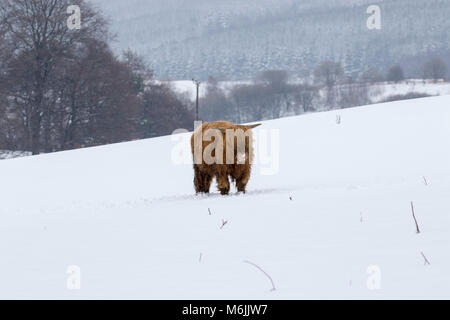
[7,154]
[127,216]
[188,88]
[378,91]
[384,90]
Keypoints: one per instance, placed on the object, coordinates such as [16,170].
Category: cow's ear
[253,126]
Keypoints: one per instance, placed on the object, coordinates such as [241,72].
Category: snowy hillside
[331,206]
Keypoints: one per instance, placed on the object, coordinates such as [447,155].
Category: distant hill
[236,39]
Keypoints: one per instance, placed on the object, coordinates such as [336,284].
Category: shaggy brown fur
[239,173]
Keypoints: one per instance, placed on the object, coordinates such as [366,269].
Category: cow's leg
[223,183]
[242,180]
[207,179]
[202,180]
[198,182]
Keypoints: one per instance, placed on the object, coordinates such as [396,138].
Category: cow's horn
[253,126]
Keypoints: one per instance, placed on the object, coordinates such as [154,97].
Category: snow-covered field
[381,91]
[378,91]
[187,87]
[334,221]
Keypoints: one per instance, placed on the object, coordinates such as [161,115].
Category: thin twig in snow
[414,216]
[224,223]
[425,180]
[425,259]
[209,211]
[200,258]
[265,273]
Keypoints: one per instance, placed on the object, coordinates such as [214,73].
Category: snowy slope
[127,215]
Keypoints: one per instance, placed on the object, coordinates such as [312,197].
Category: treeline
[268,97]
[272,94]
[62,89]
[234,40]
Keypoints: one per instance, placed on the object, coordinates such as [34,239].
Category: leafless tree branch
[414,216]
[426,262]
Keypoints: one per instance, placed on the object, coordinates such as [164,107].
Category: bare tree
[435,69]
[163,112]
[372,75]
[329,73]
[98,100]
[273,78]
[39,39]
[395,74]
[63,89]
[142,72]
[305,96]
[353,94]
[216,105]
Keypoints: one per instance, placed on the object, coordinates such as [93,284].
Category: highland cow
[222,149]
